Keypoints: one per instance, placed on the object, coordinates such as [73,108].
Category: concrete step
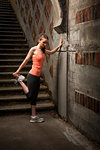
[4,21]
[5,4]
[7,13]
[13,68]
[21,99]
[18,108]
[12,56]
[14,41]
[8,75]
[18,90]
[11,37]
[10,81]
[13,61]
[13,45]
[9,24]
[6,10]
[10,28]
[11,33]
[14,50]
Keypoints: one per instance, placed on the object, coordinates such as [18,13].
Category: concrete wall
[84,67]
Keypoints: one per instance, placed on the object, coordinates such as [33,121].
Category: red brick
[96,106]
[82,99]
[97,59]
[24,19]
[97,11]
[26,6]
[33,33]
[22,12]
[77,97]
[90,14]
[77,17]
[87,14]
[42,29]
[42,1]
[80,58]
[19,2]
[37,15]
[93,104]
[86,58]
[85,101]
[90,58]
[51,28]
[30,19]
[47,9]
[33,3]
[76,58]
[83,15]
[93,12]
[94,58]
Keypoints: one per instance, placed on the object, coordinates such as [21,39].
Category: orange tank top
[38,60]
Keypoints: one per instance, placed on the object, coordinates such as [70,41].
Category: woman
[33,79]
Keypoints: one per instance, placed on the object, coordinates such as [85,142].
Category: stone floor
[16,132]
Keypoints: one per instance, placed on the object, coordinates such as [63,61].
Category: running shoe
[21,78]
[36,119]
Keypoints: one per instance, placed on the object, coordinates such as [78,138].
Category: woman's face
[43,43]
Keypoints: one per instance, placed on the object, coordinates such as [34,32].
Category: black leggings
[33,83]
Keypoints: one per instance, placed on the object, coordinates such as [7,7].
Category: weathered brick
[76,55]
[97,11]
[83,15]
[77,17]
[78,58]
[90,14]
[81,99]
[97,59]
[87,14]
[96,106]
[33,3]
[90,58]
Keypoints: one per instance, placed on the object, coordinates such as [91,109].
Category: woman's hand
[60,42]
[15,74]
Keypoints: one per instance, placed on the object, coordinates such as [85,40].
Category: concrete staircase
[13,49]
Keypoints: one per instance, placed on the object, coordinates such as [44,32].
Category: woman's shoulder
[33,48]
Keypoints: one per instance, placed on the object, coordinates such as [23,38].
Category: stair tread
[11,60]
[3,73]
[13,54]
[11,66]
[6,36]
[11,97]
[12,40]
[12,80]
[19,88]
[27,106]
[13,44]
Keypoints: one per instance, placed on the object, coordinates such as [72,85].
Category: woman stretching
[33,78]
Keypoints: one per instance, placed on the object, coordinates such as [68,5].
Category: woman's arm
[55,49]
[29,55]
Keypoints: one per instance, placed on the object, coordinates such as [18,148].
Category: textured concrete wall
[84,66]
